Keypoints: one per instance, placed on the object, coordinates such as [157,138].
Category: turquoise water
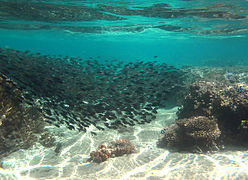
[178,32]
[191,51]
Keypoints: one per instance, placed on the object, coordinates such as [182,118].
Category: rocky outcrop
[213,114]
[196,134]
[18,120]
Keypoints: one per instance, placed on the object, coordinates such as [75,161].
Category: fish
[81,129]
[50,118]
[57,125]
[80,93]
[93,133]
[154,111]
[100,128]
[70,127]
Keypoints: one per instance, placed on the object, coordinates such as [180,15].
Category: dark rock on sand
[192,134]
[114,149]
[212,112]
[228,103]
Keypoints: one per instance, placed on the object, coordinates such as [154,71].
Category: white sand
[149,162]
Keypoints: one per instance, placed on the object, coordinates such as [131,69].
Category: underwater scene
[123,89]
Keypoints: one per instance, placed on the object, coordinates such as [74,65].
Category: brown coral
[116,148]
[213,114]
[194,134]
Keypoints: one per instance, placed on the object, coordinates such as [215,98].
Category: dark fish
[111,117]
[93,123]
[62,121]
[64,114]
[50,122]
[87,121]
[100,128]
[50,118]
[154,111]
[93,133]
[103,118]
[70,127]
[85,125]
[131,124]
[130,116]
[81,129]
[119,112]
[56,113]
[135,120]
[48,111]
[149,108]
[57,125]
[114,127]
[107,125]
[148,121]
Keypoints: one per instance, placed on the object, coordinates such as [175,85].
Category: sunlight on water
[191,17]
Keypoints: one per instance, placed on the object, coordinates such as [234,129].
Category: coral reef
[114,149]
[213,114]
[18,120]
[228,103]
[195,134]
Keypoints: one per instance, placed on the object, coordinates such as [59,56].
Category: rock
[228,103]
[47,139]
[193,134]
[172,137]
[212,112]
[18,120]
[114,149]
[200,99]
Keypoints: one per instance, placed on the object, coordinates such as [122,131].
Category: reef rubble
[114,149]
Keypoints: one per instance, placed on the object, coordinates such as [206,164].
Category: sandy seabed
[149,162]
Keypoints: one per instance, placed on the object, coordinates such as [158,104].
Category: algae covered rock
[172,137]
[47,139]
[213,114]
[200,99]
[192,134]
[18,120]
[228,103]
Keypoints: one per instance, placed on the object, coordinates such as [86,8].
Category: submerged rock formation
[213,114]
[192,134]
[18,120]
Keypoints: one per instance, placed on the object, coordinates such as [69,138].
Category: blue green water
[178,32]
